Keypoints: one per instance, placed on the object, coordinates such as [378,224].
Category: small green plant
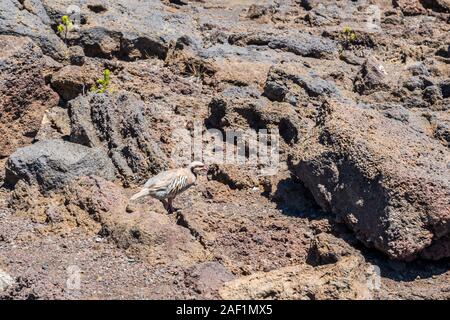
[103,83]
[349,34]
[64,27]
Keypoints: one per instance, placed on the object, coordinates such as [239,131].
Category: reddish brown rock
[55,124]
[371,78]
[234,176]
[410,7]
[207,278]
[240,71]
[326,248]
[437,5]
[24,96]
[438,250]
[388,182]
[99,206]
[72,81]
[350,278]
[144,234]
[117,124]
[154,238]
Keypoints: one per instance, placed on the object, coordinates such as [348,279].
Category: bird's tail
[140,194]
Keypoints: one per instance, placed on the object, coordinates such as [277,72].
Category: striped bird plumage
[168,184]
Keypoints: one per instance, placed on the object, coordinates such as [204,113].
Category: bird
[166,185]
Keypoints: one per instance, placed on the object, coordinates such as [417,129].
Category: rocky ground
[357,208]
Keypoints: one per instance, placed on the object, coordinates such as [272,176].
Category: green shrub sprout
[64,27]
[103,83]
[349,34]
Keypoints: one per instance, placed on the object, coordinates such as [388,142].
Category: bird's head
[197,167]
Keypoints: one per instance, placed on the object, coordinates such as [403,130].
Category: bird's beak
[205,168]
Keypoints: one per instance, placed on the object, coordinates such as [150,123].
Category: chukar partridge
[165,186]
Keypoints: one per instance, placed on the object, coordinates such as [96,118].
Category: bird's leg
[165,204]
[170,205]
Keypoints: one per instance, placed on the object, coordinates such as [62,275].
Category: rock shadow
[295,200]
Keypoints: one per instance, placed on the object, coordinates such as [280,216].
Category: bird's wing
[161,179]
[178,184]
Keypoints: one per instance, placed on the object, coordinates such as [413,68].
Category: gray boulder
[116,123]
[293,83]
[127,29]
[301,44]
[305,45]
[52,163]
[29,18]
